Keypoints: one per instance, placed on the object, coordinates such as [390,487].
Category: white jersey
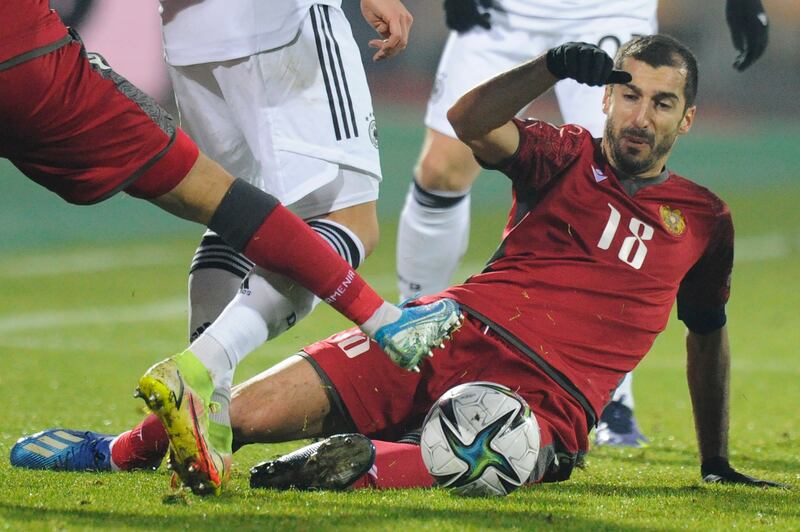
[208,31]
[554,16]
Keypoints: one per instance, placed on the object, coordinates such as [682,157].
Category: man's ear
[687,120]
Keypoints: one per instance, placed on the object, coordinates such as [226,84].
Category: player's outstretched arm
[708,372]
[482,117]
[392,21]
[749,27]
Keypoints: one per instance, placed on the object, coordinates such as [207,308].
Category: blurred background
[745,136]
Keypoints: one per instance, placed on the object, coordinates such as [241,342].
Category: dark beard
[629,163]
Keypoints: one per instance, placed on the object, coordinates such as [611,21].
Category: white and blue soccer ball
[480,439]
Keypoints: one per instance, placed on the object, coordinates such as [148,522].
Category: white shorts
[290,120]
[472,57]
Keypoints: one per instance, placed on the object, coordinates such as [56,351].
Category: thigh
[286,402]
[75,126]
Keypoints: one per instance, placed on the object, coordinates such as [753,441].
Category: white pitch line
[88,261]
[764,247]
[81,317]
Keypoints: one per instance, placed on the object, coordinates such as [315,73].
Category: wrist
[552,60]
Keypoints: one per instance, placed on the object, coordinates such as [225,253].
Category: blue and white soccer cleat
[418,331]
[618,427]
[63,450]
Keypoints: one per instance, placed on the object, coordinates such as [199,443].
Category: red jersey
[27,25]
[586,274]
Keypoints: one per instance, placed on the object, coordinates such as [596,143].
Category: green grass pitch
[82,318]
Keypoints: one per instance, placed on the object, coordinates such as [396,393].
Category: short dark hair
[663,50]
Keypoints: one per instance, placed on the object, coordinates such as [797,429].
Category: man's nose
[641,117]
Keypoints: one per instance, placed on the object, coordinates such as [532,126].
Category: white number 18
[640,232]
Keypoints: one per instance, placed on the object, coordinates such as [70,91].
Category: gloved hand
[717,470]
[749,27]
[463,15]
[585,63]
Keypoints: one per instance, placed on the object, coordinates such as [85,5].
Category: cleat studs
[348,440]
[430,353]
[415,369]
[270,469]
[201,487]
[192,468]
[152,398]
[137,393]
[441,345]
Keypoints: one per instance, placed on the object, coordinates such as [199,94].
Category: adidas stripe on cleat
[63,450]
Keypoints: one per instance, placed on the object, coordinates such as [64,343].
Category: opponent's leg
[433,231]
[215,276]
[618,426]
[269,303]
[255,223]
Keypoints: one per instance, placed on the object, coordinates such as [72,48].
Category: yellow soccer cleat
[178,390]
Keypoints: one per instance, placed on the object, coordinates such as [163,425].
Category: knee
[370,237]
[445,171]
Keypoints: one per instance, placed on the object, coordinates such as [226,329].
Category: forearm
[708,373]
[494,102]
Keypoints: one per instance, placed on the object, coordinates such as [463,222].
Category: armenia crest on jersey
[673,220]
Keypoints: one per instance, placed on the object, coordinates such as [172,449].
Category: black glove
[585,63]
[717,470]
[749,30]
[463,15]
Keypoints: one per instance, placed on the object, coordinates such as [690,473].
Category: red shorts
[84,132]
[385,402]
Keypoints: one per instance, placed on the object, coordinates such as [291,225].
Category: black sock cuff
[341,240]
[214,254]
[432,200]
[240,213]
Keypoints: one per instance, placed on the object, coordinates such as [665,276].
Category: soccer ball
[480,439]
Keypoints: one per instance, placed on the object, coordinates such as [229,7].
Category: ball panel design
[480,439]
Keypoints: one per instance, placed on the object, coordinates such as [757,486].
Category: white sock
[432,237]
[386,314]
[624,392]
[238,331]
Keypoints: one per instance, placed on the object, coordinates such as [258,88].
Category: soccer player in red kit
[75,126]
[601,240]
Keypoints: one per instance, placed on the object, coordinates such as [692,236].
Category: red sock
[287,245]
[397,465]
[142,447]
